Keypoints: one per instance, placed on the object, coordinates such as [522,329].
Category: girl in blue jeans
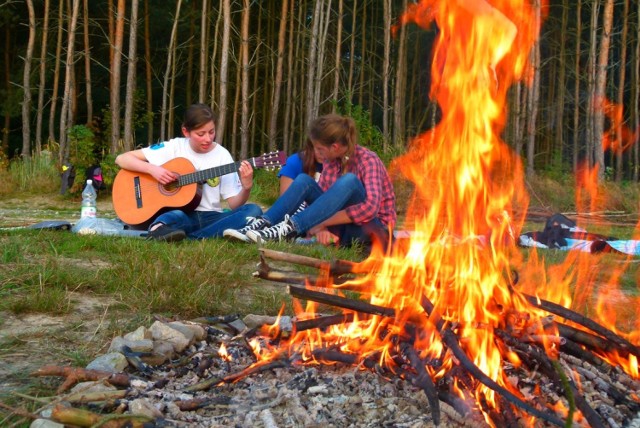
[353,202]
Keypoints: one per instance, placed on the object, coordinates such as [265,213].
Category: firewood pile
[220,379]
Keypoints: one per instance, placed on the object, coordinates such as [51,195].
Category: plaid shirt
[380,199]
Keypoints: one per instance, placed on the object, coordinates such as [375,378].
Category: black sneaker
[167,234]
[281,231]
[253,223]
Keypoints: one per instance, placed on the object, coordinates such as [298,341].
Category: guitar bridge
[138,191]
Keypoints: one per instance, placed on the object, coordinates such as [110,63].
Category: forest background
[85,80]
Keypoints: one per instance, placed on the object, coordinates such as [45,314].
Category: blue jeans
[208,224]
[346,191]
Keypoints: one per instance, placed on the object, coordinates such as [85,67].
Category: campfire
[448,309]
[453,311]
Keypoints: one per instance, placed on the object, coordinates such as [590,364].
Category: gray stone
[162,331]
[45,423]
[118,343]
[253,321]
[113,362]
[141,333]
[143,407]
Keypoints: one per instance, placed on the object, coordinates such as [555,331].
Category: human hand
[163,175]
[246,175]
[327,238]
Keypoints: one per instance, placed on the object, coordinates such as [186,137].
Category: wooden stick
[74,375]
[322,322]
[563,312]
[423,381]
[340,302]
[335,267]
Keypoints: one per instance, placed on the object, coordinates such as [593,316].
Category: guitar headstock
[271,160]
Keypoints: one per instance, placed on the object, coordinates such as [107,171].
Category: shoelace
[279,230]
[253,224]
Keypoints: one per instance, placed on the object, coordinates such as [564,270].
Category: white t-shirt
[223,187]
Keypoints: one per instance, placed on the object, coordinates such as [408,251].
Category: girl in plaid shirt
[353,202]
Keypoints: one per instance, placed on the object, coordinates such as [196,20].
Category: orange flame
[456,268]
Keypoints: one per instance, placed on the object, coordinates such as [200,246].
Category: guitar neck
[205,174]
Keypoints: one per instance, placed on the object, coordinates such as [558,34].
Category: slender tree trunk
[132,61]
[26,82]
[576,90]
[204,51]
[336,72]
[115,77]
[43,75]
[591,79]
[8,88]
[621,82]
[87,62]
[66,95]
[224,69]
[190,53]
[352,48]
[386,72]
[635,121]
[312,109]
[172,90]
[212,61]
[165,86]
[363,54]
[275,99]
[533,100]
[322,43]
[291,80]
[399,127]
[601,80]
[148,71]
[244,125]
[56,76]
[561,92]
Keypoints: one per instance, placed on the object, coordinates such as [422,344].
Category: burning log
[340,302]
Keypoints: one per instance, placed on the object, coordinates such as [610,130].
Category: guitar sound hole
[169,189]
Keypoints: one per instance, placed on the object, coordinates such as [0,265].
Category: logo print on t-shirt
[213,182]
[157,146]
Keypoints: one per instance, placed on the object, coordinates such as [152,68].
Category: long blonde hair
[333,128]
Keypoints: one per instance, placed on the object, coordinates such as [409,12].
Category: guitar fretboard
[205,174]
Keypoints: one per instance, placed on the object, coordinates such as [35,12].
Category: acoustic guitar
[138,198]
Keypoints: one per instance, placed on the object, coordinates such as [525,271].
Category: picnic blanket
[562,233]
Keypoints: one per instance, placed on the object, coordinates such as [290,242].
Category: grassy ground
[63,296]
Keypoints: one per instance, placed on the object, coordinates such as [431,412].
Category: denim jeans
[347,190]
[208,224]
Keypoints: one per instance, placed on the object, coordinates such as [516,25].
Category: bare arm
[320,230]
[135,160]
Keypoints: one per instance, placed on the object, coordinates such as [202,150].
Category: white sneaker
[281,231]
[253,223]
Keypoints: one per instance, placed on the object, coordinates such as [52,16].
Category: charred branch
[74,375]
[340,302]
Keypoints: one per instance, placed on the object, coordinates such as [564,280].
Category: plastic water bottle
[89,196]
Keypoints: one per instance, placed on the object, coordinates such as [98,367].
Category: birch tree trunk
[224,69]
[533,100]
[576,90]
[291,82]
[165,85]
[129,99]
[635,116]
[148,71]
[591,84]
[43,75]
[87,62]
[386,61]
[399,121]
[26,84]
[214,56]
[336,72]
[66,95]
[352,48]
[204,50]
[244,124]
[56,76]
[620,144]
[601,80]
[561,93]
[114,99]
[277,84]
[312,108]
[322,43]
